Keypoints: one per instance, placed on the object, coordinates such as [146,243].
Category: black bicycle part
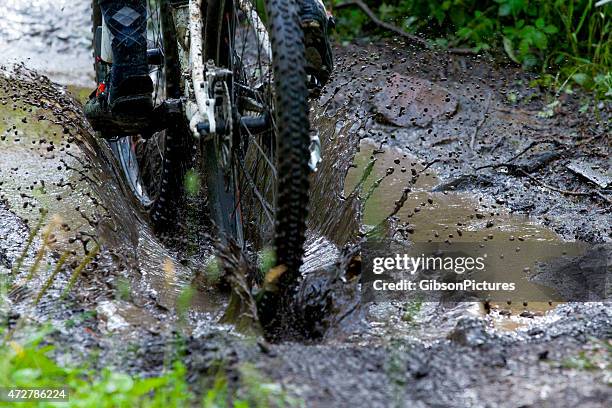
[154,162]
[273,200]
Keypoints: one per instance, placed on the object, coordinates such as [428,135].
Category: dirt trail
[443,355]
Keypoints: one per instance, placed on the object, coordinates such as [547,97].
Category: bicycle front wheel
[268,172]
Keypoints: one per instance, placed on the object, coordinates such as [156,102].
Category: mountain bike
[231,101]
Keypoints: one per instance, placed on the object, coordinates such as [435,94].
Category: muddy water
[457,217]
[51,36]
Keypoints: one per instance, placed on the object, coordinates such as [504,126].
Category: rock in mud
[469,331]
[408,101]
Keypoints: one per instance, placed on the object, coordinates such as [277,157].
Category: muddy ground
[435,119]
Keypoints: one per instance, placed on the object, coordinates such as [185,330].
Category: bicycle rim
[270,165]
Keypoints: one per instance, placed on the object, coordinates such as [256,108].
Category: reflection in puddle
[458,217]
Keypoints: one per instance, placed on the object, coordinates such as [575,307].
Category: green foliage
[193,183]
[213,271]
[27,363]
[183,303]
[595,356]
[256,392]
[124,289]
[267,260]
[411,309]
[259,392]
[568,41]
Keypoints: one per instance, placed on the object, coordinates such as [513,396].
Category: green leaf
[440,16]
[513,7]
[539,23]
[119,382]
[193,183]
[509,48]
[539,40]
[26,376]
[148,384]
[551,29]
[524,46]
[457,16]
[518,5]
[504,10]
[464,32]
[580,78]
[529,61]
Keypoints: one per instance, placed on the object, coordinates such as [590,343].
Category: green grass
[193,183]
[568,42]
[28,363]
[411,309]
[596,356]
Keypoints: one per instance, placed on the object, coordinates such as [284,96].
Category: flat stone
[407,101]
[593,174]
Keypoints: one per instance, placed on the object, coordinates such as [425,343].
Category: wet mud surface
[433,119]
[52,37]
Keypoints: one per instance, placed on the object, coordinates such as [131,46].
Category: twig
[390,27]
[428,165]
[566,192]
[400,203]
[481,122]
[532,145]
[462,51]
[522,152]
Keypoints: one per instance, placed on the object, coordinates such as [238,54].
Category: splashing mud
[129,298]
[60,185]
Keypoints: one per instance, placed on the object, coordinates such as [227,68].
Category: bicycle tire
[167,188]
[291,119]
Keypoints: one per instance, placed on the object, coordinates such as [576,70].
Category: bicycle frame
[199,78]
[203,77]
[198,105]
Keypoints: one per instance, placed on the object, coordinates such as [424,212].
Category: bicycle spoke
[267,207]
[253,139]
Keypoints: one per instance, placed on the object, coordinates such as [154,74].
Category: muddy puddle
[433,212]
